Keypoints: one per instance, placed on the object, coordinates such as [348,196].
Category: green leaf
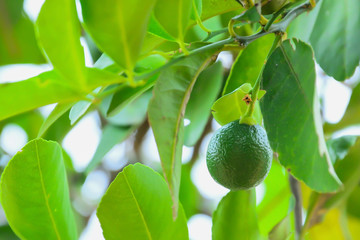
[198,109]
[303,25]
[78,110]
[297,136]
[30,122]
[231,106]
[334,38]
[282,231]
[196,9]
[339,147]
[7,233]
[173,16]
[166,114]
[189,195]
[47,88]
[275,204]
[106,63]
[59,34]
[249,16]
[137,205]
[134,113]
[126,95]
[59,110]
[212,8]
[121,33]
[235,217]
[35,92]
[352,114]
[333,30]
[248,64]
[111,135]
[17,37]
[35,194]
[156,29]
[58,130]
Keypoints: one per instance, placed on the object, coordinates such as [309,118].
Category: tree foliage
[158,64]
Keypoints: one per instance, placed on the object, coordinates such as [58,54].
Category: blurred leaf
[282,230]
[151,42]
[30,122]
[156,29]
[248,64]
[339,147]
[275,204]
[173,16]
[353,207]
[352,114]
[134,113]
[7,234]
[111,135]
[59,129]
[78,110]
[328,229]
[32,93]
[166,114]
[291,69]
[149,63]
[17,36]
[35,194]
[126,95]
[59,34]
[335,45]
[57,112]
[235,217]
[204,93]
[212,8]
[189,195]
[137,205]
[121,33]
[332,30]
[106,63]
[348,171]
[249,16]
[231,106]
[68,161]
[196,9]
[47,88]
[303,25]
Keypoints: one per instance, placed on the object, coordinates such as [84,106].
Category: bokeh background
[200,193]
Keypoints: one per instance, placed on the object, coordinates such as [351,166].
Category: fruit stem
[254,92]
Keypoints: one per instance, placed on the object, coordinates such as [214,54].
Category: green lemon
[239,155]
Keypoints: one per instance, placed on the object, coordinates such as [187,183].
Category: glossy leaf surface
[137,205]
[118,27]
[166,114]
[111,136]
[35,193]
[59,33]
[248,64]
[235,217]
[232,106]
[297,136]
[204,93]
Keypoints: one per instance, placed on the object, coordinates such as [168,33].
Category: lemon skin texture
[239,155]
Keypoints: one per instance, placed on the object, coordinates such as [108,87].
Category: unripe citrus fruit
[239,155]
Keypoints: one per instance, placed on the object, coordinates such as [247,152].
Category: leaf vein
[44,193]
